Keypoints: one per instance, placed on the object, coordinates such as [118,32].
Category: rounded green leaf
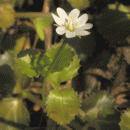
[100,112]
[98,105]
[120,7]
[41,24]
[19,44]
[123,8]
[66,66]
[6,15]
[13,114]
[22,82]
[62,105]
[7,80]
[113,23]
[80,4]
[27,62]
[10,71]
[125,120]
[63,60]
[7,73]
[8,58]
[44,63]
[66,74]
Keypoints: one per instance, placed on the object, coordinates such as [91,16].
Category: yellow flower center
[69,25]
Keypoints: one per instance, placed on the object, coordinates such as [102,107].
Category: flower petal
[57,19]
[86,26]
[74,14]
[82,20]
[62,14]
[60,30]
[82,33]
[70,34]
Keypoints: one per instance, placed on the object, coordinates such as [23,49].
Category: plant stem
[82,113]
[32,15]
[67,127]
[48,39]
[32,98]
[50,69]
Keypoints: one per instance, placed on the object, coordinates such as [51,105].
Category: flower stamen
[68,24]
[78,36]
[56,25]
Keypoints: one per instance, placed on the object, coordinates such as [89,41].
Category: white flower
[70,24]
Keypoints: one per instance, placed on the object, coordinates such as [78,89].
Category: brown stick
[35,41]
[48,38]
[31,15]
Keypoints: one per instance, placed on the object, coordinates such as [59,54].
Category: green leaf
[63,60]
[83,49]
[66,74]
[7,80]
[113,23]
[23,82]
[123,8]
[119,7]
[8,58]
[125,120]
[12,74]
[41,24]
[80,4]
[65,68]
[99,109]
[62,105]
[19,44]
[7,74]
[13,114]
[27,60]
[6,15]
[44,62]
[97,103]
